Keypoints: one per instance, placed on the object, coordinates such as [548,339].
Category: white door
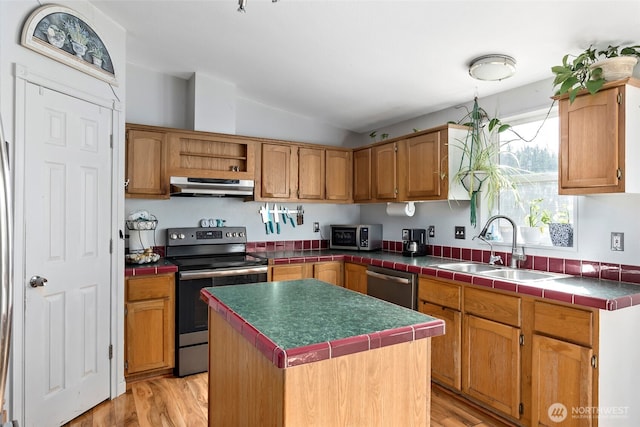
[67,231]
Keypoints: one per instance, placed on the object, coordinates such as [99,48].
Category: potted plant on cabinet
[561,230]
[591,69]
[480,167]
[535,222]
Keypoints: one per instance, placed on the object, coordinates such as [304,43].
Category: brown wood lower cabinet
[446,349]
[149,324]
[355,277]
[443,300]
[328,271]
[514,355]
[491,364]
[562,375]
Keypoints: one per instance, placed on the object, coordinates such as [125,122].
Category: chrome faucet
[517,254]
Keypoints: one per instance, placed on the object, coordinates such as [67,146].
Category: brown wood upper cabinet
[154,154]
[414,167]
[375,174]
[594,156]
[362,175]
[209,155]
[146,164]
[303,172]
[384,172]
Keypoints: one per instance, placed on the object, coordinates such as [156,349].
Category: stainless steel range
[205,257]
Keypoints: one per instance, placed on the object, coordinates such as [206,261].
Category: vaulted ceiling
[362,64]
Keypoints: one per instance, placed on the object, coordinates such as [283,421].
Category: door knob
[37,281]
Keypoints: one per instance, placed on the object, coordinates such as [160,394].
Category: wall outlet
[316,227]
[459,232]
[432,231]
[617,241]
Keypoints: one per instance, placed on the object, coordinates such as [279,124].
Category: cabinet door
[491,364]
[310,173]
[561,374]
[149,323]
[591,147]
[291,272]
[420,175]
[145,167]
[276,171]
[338,175]
[330,272]
[446,355]
[362,175]
[355,277]
[149,335]
[384,172]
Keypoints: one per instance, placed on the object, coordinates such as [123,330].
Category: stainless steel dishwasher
[398,287]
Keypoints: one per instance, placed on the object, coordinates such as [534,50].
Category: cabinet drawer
[493,306]
[567,323]
[149,287]
[440,293]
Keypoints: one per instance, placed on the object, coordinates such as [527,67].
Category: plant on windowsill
[560,229]
[591,69]
[535,222]
[481,171]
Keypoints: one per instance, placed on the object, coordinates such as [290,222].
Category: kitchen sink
[469,267]
[501,272]
[522,275]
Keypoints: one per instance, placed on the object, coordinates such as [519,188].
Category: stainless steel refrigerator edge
[6,265]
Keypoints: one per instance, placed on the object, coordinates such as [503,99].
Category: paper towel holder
[401,209]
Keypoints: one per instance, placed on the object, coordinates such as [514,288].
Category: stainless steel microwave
[356,237]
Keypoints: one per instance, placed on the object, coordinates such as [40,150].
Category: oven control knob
[181,236]
[228,234]
[241,234]
[173,236]
[234,234]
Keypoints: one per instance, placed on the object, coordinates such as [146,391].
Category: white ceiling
[360,64]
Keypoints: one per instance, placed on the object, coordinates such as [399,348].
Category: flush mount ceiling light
[492,67]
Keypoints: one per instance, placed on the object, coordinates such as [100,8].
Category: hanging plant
[480,170]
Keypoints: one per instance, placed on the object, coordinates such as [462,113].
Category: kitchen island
[307,353]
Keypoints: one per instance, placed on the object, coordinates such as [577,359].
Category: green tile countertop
[303,321]
[583,291]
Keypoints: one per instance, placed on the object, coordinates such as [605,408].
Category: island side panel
[245,388]
[381,387]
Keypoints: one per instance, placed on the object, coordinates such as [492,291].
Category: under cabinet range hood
[183,186]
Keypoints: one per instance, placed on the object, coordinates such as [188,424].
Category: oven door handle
[205,274]
[387,277]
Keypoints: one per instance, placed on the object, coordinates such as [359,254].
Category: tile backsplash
[574,267]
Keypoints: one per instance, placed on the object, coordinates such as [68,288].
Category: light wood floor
[178,402]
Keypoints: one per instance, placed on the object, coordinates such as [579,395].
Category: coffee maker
[414,242]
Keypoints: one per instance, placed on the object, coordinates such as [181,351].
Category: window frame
[529,117]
